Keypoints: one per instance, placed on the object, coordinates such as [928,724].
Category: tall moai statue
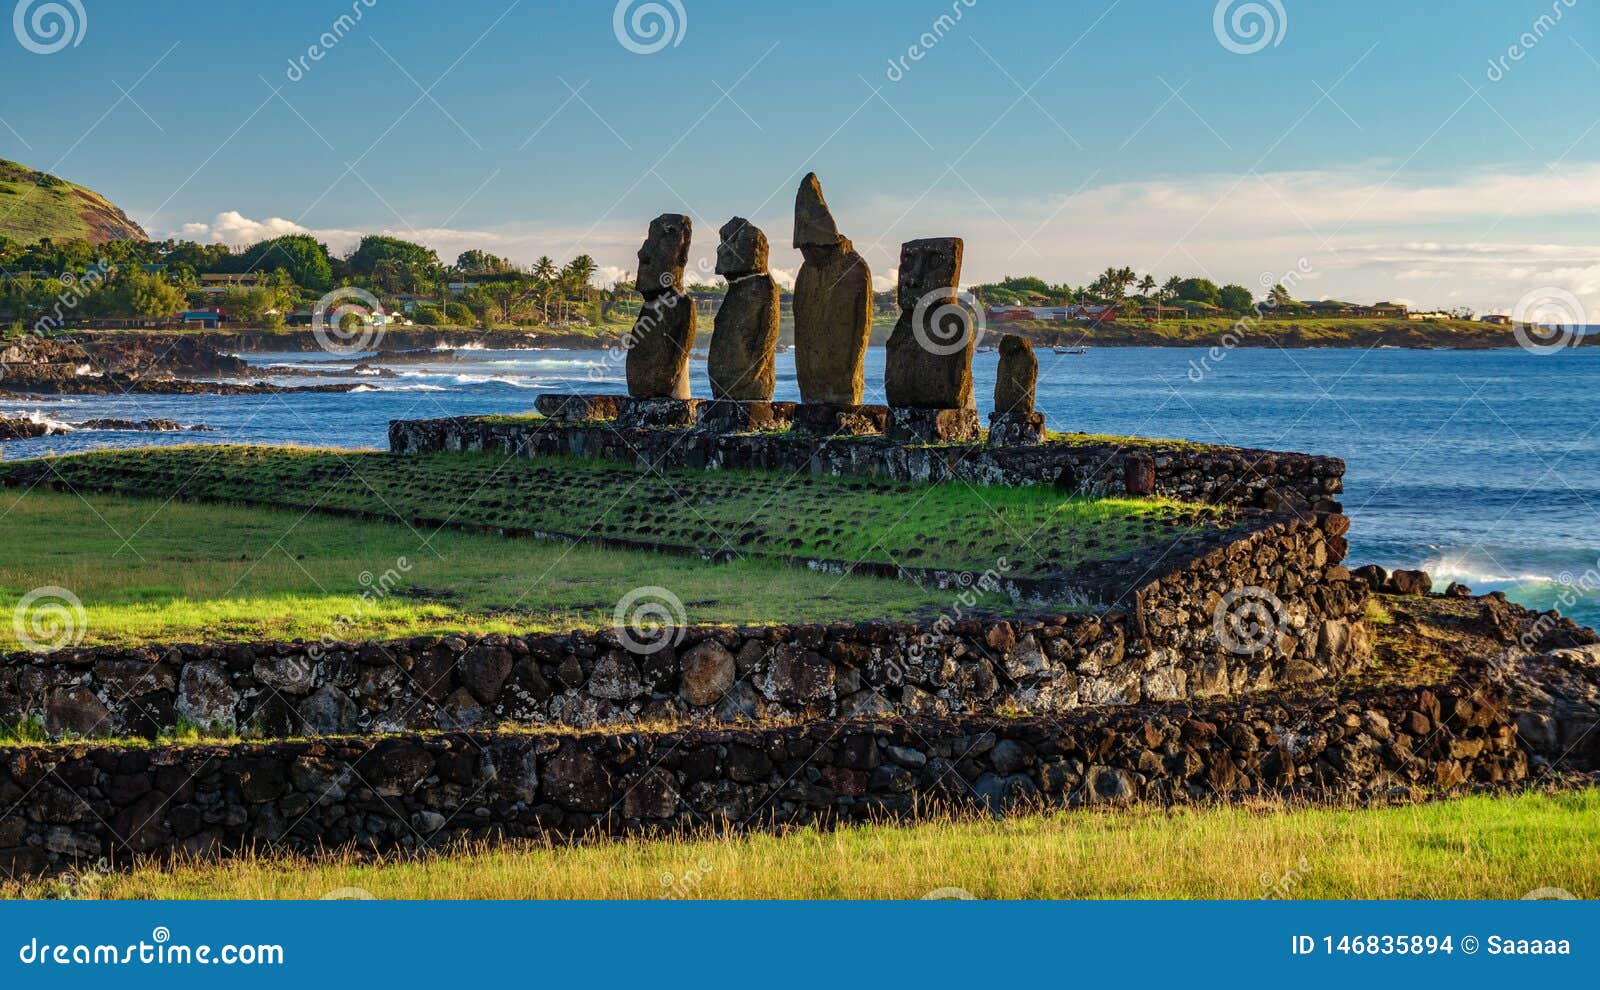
[1014,422]
[746,335]
[658,358]
[928,368]
[832,305]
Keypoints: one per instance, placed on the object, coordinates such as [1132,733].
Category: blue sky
[1368,146]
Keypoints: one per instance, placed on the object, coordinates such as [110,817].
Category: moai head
[664,255]
[930,271]
[743,250]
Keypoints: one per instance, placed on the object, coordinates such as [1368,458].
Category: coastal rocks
[33,427]
[746,336]
[929,360]
[658,355]
[1409,583]
[832,305]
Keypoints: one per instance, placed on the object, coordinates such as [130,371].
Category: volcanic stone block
[728,416]
[914,425]
[746,336]
[929,360]
[657,414]
[832,305]
[659,345]
[1139,474]
[835,420]
[1016,429]
[1018,377]
[579,408]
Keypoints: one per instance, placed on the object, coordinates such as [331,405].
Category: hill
[35,205]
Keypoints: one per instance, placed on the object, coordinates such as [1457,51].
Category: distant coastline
[1330,333]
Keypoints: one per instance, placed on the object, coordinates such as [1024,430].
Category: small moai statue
[1014,422]
[658,358]
[832,305]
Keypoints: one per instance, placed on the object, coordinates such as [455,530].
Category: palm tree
[1147,288]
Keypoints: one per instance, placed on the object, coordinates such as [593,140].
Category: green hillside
[35,205]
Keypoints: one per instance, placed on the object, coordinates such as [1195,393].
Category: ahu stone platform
[1230,476]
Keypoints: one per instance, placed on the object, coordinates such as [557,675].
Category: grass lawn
[1476,847]
[148,571]
[1036,531]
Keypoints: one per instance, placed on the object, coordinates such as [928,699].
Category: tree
[1235,298]
[1200,290]
[376,248]
[475,262]
[481,304]
[1279,296]
[151,297]
[1147,285]
[303,257]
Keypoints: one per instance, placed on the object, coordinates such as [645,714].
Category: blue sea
[1479,466]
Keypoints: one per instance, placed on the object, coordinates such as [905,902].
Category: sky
[1438,154]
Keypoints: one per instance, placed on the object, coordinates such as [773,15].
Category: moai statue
[1014,422]
[928,369]
[746,337]
[832,305]
[658,358]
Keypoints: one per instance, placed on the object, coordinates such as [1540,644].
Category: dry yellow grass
[1476,847]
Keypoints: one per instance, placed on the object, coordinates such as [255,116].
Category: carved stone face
[664,254]
[927,267]
[743,250]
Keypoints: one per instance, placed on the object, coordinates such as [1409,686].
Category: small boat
[988,350]
[1070,350]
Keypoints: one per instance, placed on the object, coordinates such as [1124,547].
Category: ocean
[1479,466]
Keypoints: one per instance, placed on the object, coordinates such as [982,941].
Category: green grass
[34,206]
[148,571]
[1476,847]
[1036,531]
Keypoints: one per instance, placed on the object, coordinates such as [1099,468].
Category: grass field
[1477,847]
[1036,531]
[147,571]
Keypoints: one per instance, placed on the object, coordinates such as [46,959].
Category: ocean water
[1480,466]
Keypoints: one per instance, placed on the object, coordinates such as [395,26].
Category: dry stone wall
[413,792]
